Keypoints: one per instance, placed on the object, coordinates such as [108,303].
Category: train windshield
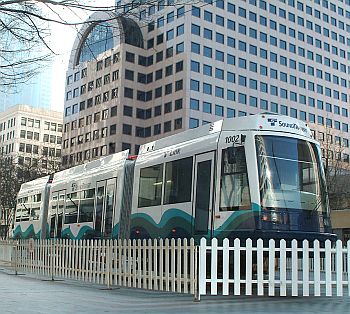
[290,174]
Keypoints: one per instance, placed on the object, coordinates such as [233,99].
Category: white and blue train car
[30,217]
[259,176]
[85,200]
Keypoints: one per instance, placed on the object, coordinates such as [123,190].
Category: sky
[62,39]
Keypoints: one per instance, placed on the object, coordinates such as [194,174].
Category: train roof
[33,187]
[259,122]
[104,164]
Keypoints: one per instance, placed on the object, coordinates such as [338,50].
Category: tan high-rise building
[167,66]
[31,136]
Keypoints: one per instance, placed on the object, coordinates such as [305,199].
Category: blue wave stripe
[67,232]
[169,214]
[26,234]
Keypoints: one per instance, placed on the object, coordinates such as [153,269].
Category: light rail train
[258,176]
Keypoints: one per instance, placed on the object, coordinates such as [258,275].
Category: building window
[193,123]
[127,129]
[167,126]
[178,104]
[128,92]
[127,111]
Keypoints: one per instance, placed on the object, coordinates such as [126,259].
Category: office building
[36,92]
[31,136]
[164,67]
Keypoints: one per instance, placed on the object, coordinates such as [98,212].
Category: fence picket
[129,261]
[249,265]
[144,268]
[225,266]
[283,270]
[202,267]
[328,268]
[134,263]
[260,266]
[306,269]
[213,272]
[185,268]
[193,267]
[139,257]
[178,266]
[271,267]
[317,269]
[339,268]
[294,268]
[237,266]
[167,261]
[173,263]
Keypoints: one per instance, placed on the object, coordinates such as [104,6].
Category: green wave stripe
[172,218]
[235,220]
[26,234]
[67,232]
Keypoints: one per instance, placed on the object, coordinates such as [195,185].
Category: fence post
[201,288]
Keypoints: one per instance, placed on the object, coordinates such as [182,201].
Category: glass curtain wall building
[36,92]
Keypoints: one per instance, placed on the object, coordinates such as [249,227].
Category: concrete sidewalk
[24,294]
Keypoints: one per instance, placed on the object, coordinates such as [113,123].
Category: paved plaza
[25,294]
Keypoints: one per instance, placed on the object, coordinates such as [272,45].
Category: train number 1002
[235,139]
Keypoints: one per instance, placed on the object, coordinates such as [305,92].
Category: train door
[104,207]
[60,210]
[100,200]
[56,216]
[53,213]
[109,206]
[203,193]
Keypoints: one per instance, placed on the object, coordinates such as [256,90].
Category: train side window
[150,188]
[87,204]
[234,192]
[19,210]
[178,181]
[71,210]
[35,210]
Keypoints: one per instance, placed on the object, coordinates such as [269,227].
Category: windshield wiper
[319,203]
[73,202]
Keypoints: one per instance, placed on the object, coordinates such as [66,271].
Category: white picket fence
[276,269]
[6,253]
[165,265]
